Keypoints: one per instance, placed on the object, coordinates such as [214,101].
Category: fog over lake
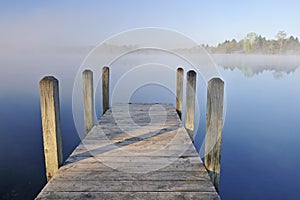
[261,127]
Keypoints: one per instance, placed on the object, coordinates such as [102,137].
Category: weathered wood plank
[131,186]
[133,168]
[149,156]
[124,132]
[130,195]
[123,176]
[113,151]
[137,161]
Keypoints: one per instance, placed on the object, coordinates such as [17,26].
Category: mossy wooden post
[179,91]
[49,99]
[88,100]
[190,102]
[214,123]
[105,89]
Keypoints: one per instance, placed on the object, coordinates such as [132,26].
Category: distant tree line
[256,44]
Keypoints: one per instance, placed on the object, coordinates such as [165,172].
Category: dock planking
[135,151]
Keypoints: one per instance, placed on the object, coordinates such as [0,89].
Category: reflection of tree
[248,71]
[252,65]
[277,75]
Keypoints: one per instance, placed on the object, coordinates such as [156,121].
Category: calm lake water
[261,134]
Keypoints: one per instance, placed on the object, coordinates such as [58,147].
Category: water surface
[260,149]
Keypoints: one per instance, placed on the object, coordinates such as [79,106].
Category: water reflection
[262,120]
[252,65]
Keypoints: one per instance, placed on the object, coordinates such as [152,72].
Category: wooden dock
[135,151]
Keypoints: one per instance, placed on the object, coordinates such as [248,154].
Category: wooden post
[49,99]
[88,100]
[105,89]
[214,123]
[190,102]
[179,91]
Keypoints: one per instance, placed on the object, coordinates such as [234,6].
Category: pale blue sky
[89,22]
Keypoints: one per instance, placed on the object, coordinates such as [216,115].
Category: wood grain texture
[130,195]
[190,102]
[105,89]
[179,91]
[50,111]
[214,125]
[149,156]
[88,100]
